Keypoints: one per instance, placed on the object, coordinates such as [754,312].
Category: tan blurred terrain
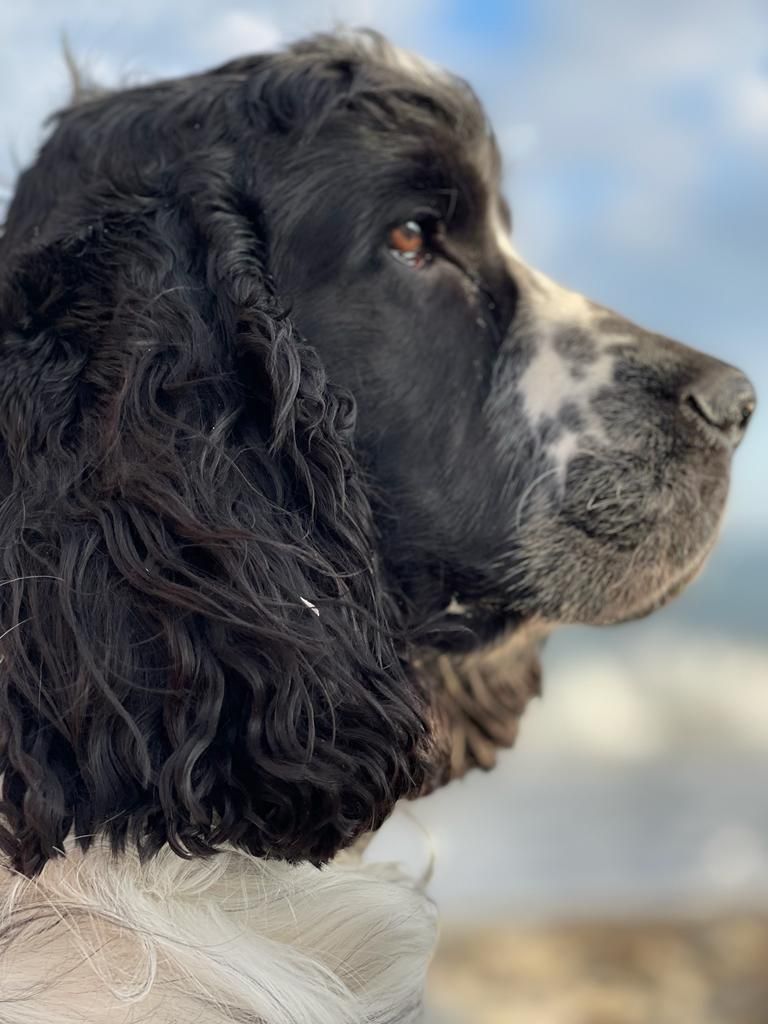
[703,972]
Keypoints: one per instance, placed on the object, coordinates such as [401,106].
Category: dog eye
[408,243]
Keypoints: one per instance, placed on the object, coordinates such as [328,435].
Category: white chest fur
[98,938]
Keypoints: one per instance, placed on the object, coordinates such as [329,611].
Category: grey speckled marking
[576,346]
[572,349]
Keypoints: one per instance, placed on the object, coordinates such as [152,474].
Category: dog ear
[196,645]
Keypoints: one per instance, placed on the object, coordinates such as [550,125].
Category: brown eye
[407,237]
[408,244]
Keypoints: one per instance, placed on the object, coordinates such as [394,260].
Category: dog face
[535,453]
[275,390]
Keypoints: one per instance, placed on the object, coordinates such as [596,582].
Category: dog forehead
[394,67]
[413,65]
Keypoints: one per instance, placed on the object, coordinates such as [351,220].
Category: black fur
[177,476]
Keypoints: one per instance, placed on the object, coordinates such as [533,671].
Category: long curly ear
[196,647]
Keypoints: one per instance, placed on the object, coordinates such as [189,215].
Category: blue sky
[636,138]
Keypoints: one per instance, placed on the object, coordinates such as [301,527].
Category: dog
[299,463]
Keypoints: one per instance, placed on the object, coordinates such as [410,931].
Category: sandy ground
[704,972]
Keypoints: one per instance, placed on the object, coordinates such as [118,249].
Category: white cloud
[239,31]
[745,107]
[128,42]
[682,694]
[610,83]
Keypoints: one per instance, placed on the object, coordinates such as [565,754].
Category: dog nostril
[725,400]
[746,412]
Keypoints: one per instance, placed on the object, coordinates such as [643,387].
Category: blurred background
[614,869]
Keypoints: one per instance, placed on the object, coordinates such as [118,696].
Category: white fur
[410,63]
[99,939]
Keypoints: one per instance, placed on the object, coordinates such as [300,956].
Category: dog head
[536,453]
[275,392]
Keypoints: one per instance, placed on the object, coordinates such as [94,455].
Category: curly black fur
[179,489]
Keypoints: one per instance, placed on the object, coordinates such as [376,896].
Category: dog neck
[98,937]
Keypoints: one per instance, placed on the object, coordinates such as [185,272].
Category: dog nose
[723,400]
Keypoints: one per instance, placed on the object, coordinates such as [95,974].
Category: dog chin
[623,584]
[672,587]
[476,624]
